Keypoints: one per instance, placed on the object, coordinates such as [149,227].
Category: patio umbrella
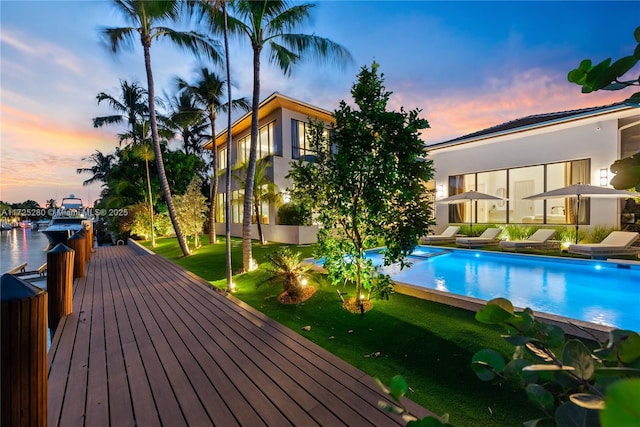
[582,190]
[468,196]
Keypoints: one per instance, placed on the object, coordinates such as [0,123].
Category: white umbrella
[468,196]
[582,190]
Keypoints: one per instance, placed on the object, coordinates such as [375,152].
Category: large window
[300,143]
[267,144]
[237,206]
[222,157]
[514,185]
[220,209]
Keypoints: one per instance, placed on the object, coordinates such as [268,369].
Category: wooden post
[60,264]
[87,246]
[23,339]
[77,243]
[88,230]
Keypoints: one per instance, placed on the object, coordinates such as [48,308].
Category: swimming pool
[605,293]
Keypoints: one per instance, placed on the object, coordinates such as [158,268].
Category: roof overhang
[272,103]
[535,126]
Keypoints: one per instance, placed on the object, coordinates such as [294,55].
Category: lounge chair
[541,238]
[448,235]
[616,243]
[488,237]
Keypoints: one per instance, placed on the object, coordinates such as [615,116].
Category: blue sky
[467,65]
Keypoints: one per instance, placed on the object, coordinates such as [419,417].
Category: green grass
[430,344]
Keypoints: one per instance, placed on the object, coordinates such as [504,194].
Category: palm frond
[319,48]
[117,38]
[192,41]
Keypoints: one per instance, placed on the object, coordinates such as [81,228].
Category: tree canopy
[367,184]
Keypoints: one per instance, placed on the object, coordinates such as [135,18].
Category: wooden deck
[150,344]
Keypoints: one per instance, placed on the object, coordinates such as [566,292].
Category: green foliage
[288,270]
[141,224]
[519,232]
[397,389]
[294,214]
[367,183]
[566,379]
[190,209]
[606,75]
[599,232]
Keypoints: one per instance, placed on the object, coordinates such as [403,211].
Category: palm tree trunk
[153,234]
[213,206]
[258,223]
[248,187]
[146,43]
[227,215]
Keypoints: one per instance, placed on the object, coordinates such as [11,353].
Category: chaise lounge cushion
[448,235]
[539,238]
[488,237]
[616,243]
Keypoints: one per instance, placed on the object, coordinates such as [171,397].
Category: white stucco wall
[593,138]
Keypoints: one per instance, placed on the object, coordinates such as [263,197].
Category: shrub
[287,270]
[563,377]
[293,214]
[599,232]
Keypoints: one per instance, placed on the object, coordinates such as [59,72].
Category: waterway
[20,245]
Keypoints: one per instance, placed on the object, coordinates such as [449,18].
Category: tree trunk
[251,168]
[227,215]
[153,234]
[260,235]
[213,193]
[146,43]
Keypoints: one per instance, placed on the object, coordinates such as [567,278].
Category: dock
[151,344]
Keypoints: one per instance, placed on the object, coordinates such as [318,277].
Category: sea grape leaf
[486,362]
[493,314]
[544,355]
[621,404]
[571,415]
[576,354]
[587,400]
[515,373]
[540,396]
[398,387]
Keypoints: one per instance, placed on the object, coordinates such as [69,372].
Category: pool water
[605,293]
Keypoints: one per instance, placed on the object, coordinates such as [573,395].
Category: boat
[68,219]
[5,226]
[41,224]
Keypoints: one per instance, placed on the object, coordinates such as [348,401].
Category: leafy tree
[145,152]
[270,23]
[146,17]
[263,189]
[570,383]
[607,76]
[190,208]
[367,184]
[208,92]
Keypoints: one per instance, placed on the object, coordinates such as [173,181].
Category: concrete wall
[290,234]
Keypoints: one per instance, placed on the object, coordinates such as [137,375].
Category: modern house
[534,154]
[282,140]
[512,160]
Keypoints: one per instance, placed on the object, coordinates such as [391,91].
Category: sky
[466,65]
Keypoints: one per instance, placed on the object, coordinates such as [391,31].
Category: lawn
[430,344]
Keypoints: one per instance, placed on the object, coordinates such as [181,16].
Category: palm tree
[269,23]
[208,91]
[188,120]
[145,16]
[263,189]
[102,165]
[132,106]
